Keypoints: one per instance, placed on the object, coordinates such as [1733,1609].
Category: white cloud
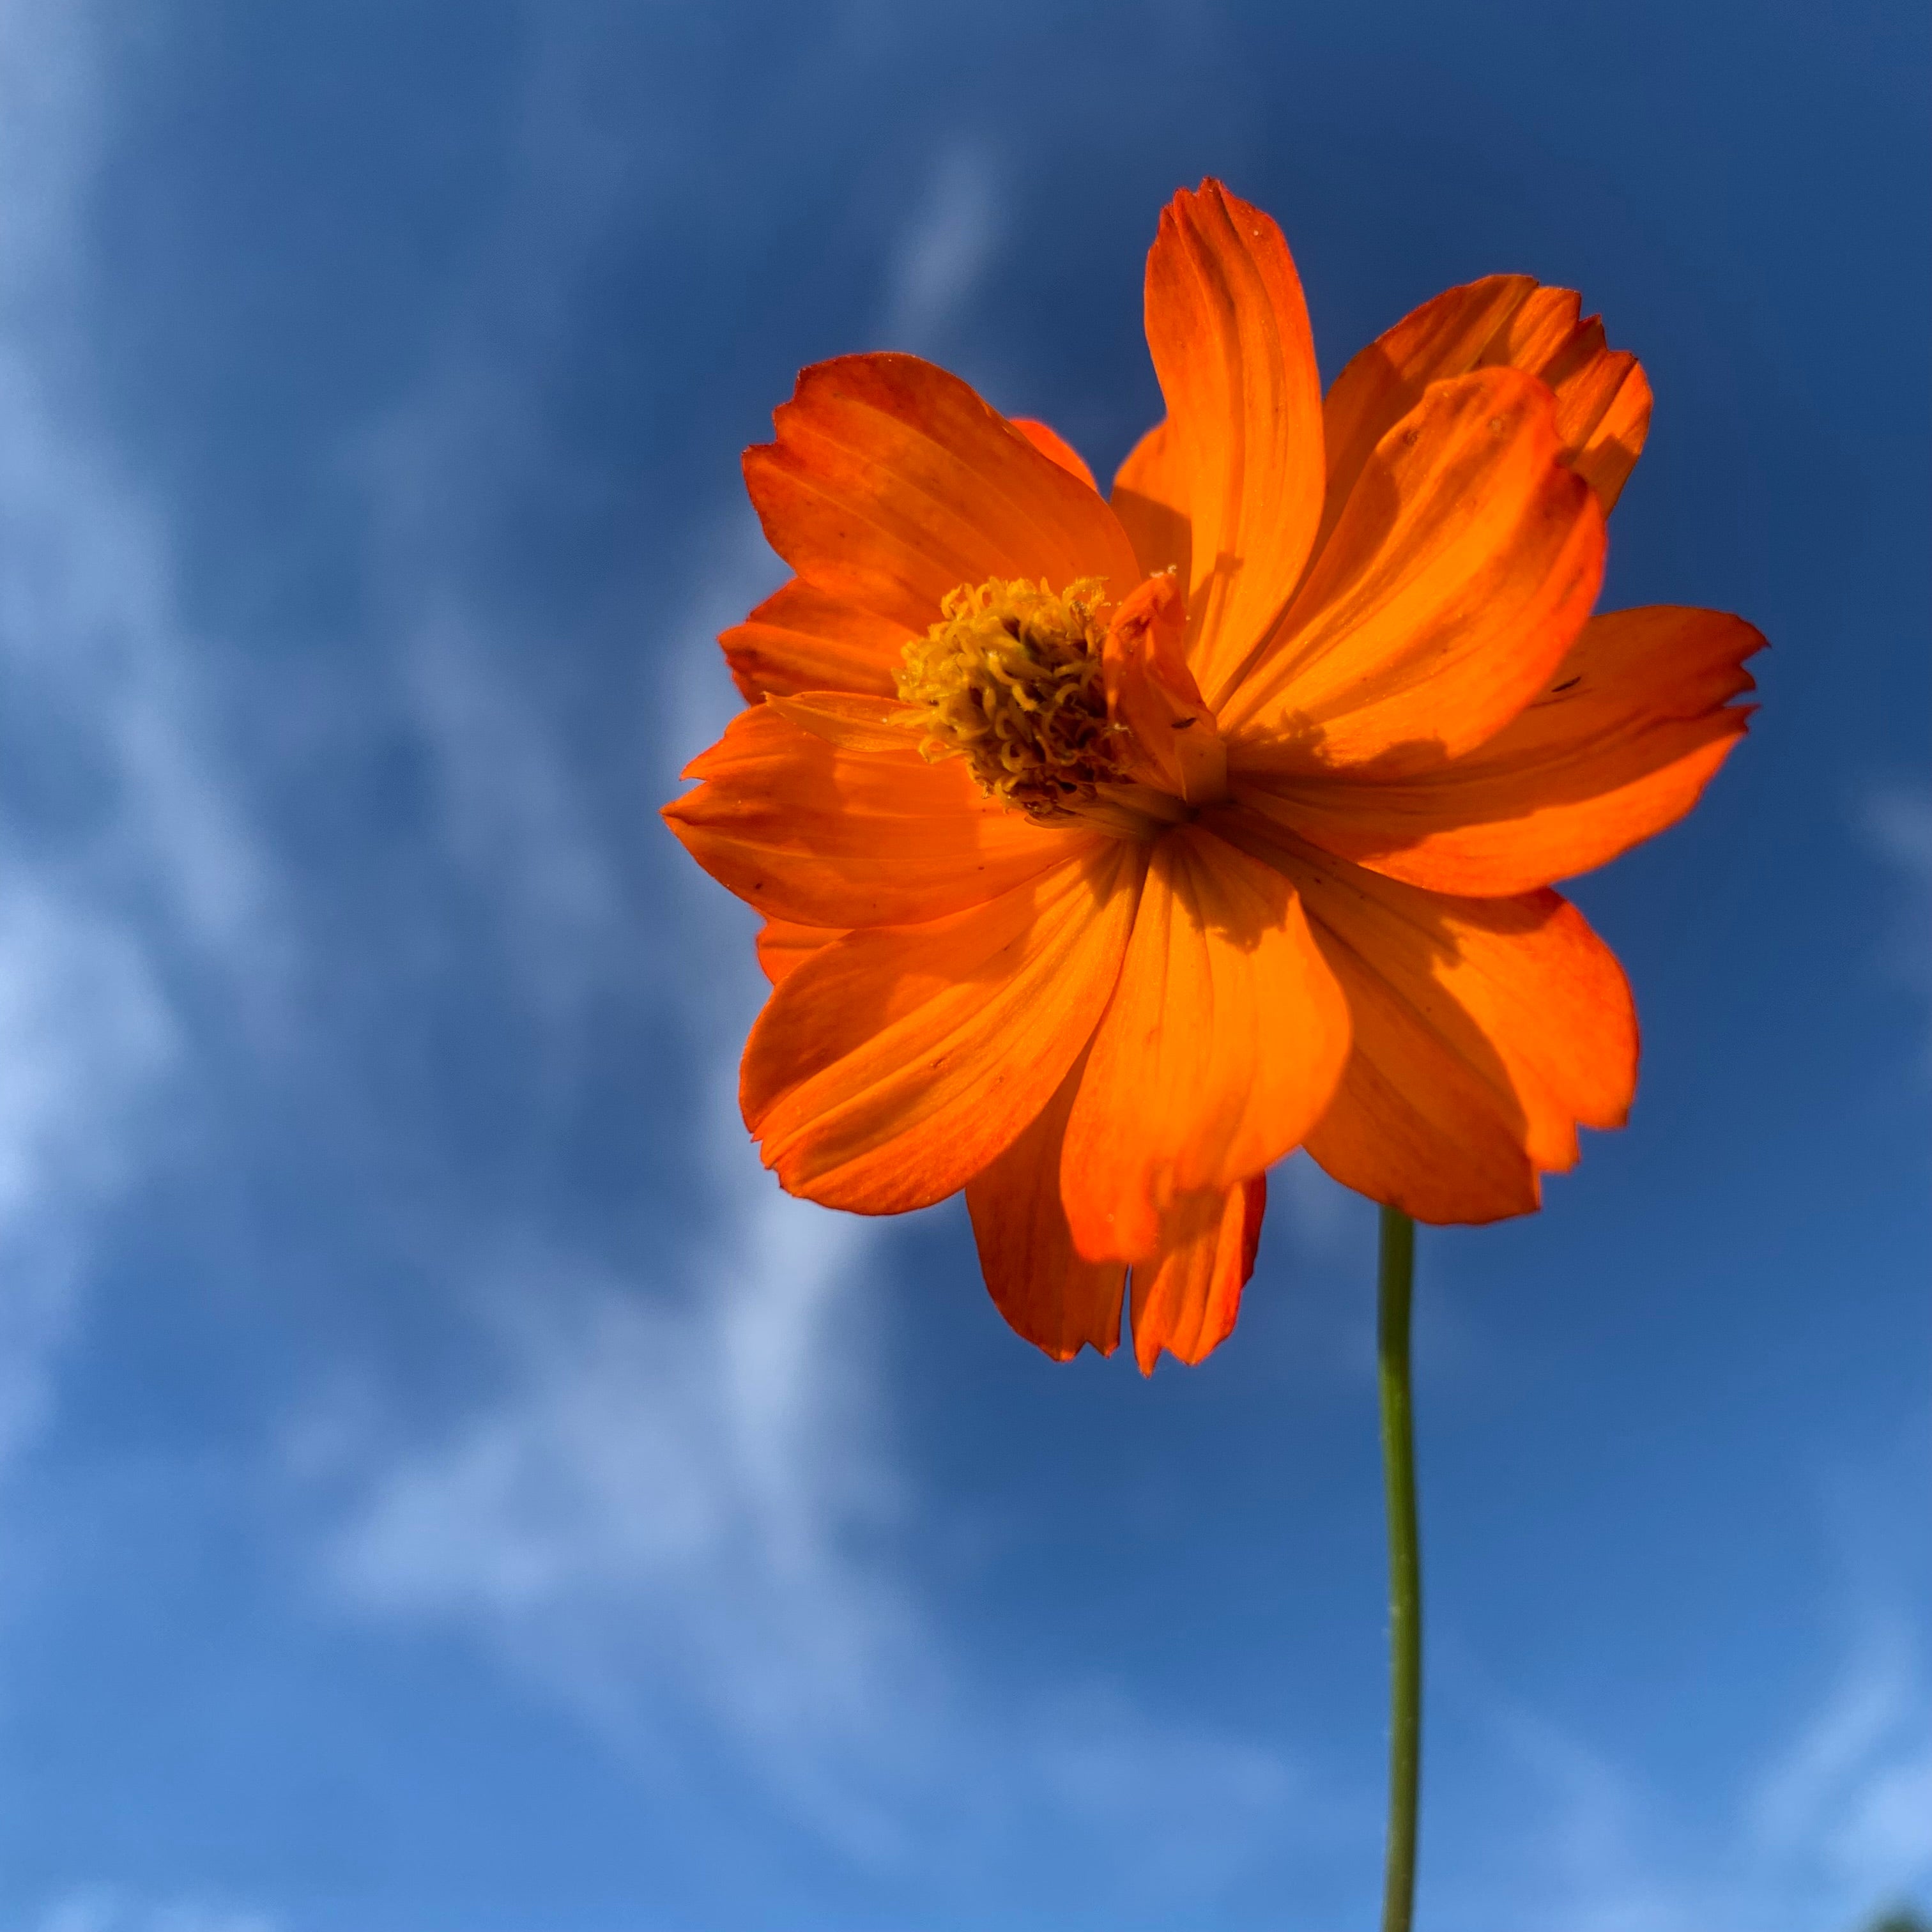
[679,1501]
[1884,1823]
[1836,1821]
[85,1035]
[1898,823]
[101,1908]
[97,675]
[945,251]
[1589,1859]
[1838,1786]
[514,820]
[672,1504]
[684,1509]
[89,630]
[666,1502]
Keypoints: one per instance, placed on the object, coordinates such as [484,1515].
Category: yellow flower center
[1010,678]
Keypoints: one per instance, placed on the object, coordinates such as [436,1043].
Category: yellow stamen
[1011,679]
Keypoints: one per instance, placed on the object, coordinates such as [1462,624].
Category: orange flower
[1110,848]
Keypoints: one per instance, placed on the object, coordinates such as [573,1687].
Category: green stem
[1397,1278]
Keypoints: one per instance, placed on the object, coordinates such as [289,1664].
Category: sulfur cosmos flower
[1110,848]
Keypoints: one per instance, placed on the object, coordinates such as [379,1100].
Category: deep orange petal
[783,945]
[806,831]
[1049,441]
[1223,1042]
[890,483]
[1461,572]
[1633,723]
[849,720]
[898,1062]
[1227,328]
[1486,1031]
[801,639]
[1602,397]
[1047,1292]
[1149,497]
[1151,692]
[1188,1291]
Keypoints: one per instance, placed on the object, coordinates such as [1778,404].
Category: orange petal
[851,720]
[1463,568]
[890,483]
[1188,1291]
[1048,1293]
[801,639]
[1222,1043]
[783,945]
[806,831]
[1150,499]
[1602,397]
[1633,725]
[1151,691]
[1486,1031]
[1229,331]
[887,1071]
[1050,442]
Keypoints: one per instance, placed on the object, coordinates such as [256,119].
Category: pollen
[1011,679]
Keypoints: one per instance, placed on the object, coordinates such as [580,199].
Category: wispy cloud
[102,1908]
[1856,1782]
[123,846]
[677,1502]
[1835,1821]
[86,1035]
[946,247]
[682,1511]
[1898,824]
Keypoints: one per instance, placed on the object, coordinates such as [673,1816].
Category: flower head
[1110,849]
[1011,678]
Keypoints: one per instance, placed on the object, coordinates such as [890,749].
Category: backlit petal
[898,1062]
[849,720]
[1221,1047]
[1602,397]
[890,483]
[1152,694]
[1050,442]
[806,831]
[1227,328]
[1486,1031]
[1059,1301]
[802,639]
[1188,1291]
[1149,497]
[1461,572]
[1633,723]
[783,945]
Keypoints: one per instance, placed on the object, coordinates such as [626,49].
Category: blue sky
[443,1487]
